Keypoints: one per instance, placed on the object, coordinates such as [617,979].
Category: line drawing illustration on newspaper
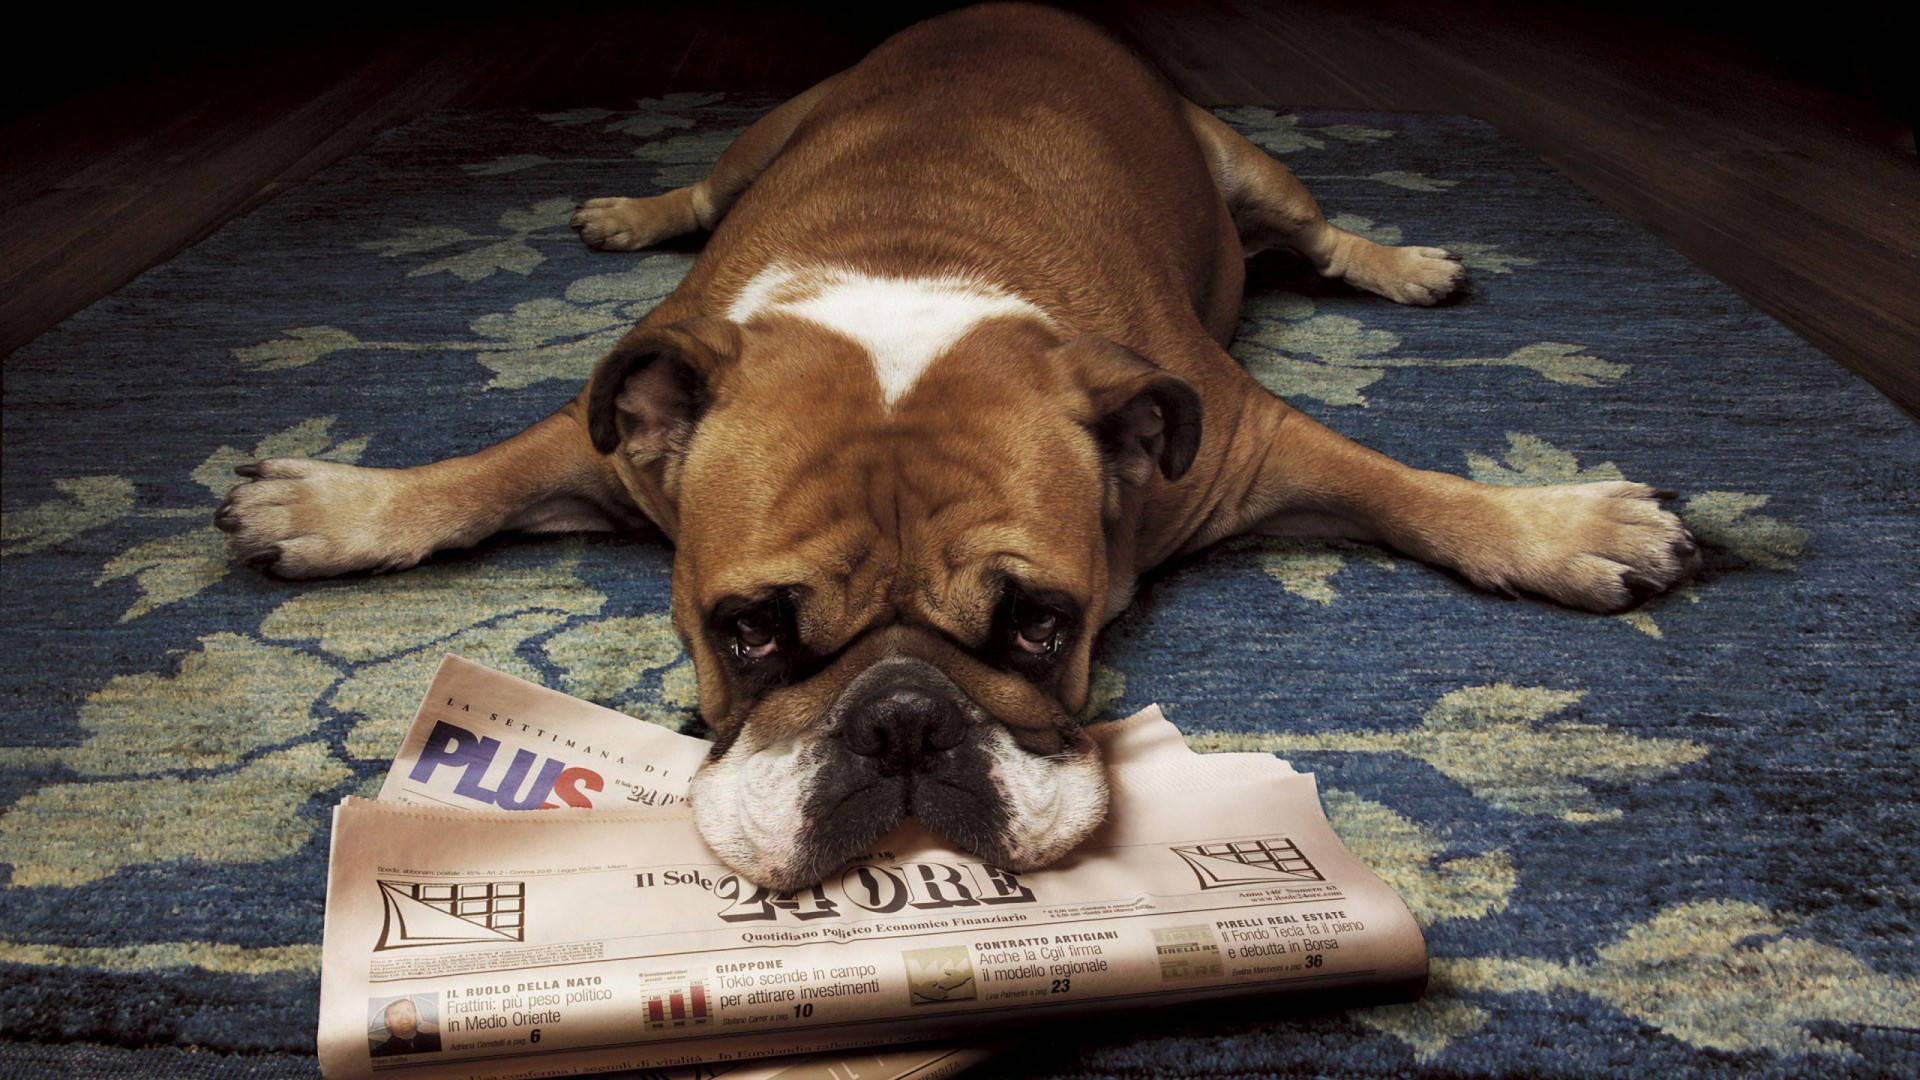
[451,913]
[1233,863]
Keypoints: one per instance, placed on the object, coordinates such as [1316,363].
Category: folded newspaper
[467,939]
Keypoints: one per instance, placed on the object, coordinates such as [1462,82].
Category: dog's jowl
[949,373]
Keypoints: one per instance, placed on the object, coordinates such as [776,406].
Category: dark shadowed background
[1771,144]
[1677,842]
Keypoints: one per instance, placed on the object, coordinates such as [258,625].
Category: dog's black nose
[904,728]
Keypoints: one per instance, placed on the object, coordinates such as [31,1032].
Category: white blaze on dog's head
[904,324]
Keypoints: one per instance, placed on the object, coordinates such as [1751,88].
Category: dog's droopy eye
[754,629]
[1038,633]
[755,634]
[759,634]
[1029,631]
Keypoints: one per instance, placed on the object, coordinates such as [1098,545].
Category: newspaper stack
[465,938]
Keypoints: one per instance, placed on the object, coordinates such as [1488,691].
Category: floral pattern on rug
[1676,840]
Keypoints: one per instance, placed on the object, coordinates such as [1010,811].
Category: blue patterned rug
[1678,842]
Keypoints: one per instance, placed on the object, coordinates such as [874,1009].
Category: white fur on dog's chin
[1053,803]
[903,323]
[749,805]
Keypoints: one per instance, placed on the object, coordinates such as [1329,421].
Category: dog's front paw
[620,224]
[295,518]
[1407,275]
[1602,547]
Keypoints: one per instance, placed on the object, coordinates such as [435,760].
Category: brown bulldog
[948,376]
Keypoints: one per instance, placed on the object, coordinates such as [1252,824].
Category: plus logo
[529,782]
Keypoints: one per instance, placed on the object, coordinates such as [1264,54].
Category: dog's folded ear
[648,393]
[1143,415]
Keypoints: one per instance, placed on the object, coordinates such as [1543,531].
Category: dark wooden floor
[1802,195]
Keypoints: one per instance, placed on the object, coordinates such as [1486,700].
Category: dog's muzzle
[901,741]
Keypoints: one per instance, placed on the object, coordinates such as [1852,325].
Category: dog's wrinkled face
[890,606]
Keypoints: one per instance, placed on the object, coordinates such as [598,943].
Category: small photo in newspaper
[407,1024]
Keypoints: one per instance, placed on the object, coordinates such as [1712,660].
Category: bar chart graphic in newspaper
[673,999]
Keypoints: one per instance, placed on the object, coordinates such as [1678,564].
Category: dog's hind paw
[1406,275]
[294,518]
[618,224]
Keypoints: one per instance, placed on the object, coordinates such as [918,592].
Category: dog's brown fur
[1020,148]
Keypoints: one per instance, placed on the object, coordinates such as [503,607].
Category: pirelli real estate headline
[465,938]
